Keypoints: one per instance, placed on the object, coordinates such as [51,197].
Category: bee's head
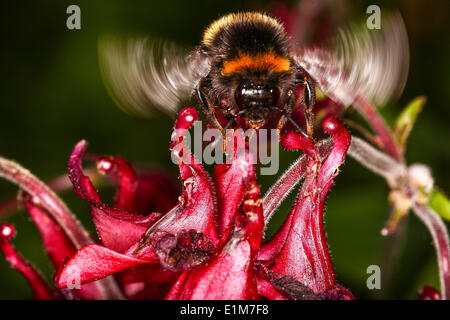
[256,78]
[256,99]
[256,91]
[250,93]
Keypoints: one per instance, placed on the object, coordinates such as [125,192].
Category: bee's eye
[275,95]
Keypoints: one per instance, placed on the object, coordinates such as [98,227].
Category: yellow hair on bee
[229,19]
[262,61]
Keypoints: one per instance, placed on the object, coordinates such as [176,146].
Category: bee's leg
[290,102]
[280,125]
[286,116]
[201,100]
[309,99]
[211,117]
[287,110]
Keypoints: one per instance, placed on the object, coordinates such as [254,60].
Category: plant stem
[58,184]
[58,210]
[290,178]
[377,161]
[395,172]
[441,242]
[384,133]
[15,173]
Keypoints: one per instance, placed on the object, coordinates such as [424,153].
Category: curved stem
[394,172]
[384,133]
[58,184]
[290,178]
[440,240]
[15,173]
[377,161]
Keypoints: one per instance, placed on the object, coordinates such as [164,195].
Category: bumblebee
[252,70]
[245,68]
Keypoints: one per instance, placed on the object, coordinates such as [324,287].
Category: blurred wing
[372,63]
[143,74]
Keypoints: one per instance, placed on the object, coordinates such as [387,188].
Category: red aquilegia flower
[208,244]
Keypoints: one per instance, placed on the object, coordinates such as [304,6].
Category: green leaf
[440,203]
[406,119]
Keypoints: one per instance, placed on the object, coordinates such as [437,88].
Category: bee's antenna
[285,114]
[228,124]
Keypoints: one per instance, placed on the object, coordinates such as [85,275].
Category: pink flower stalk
[206,245]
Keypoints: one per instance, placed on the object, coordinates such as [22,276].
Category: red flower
[206,245]
[299,249]
[429,293]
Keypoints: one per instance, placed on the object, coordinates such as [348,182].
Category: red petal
[195,209]
[118,229]
[304,254]
[124,175]
[341,144]
[272,248]
[58,245]
[41,290]
[294,140]
[151,191]
[94,262]
[290,141]
[157,192]
[229,180]
[229,193]
[230,273]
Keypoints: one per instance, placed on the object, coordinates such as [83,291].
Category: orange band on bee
[263,61]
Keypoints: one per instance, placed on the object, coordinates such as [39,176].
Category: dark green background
[52,96]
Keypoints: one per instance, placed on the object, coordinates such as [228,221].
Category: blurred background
[52,96]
